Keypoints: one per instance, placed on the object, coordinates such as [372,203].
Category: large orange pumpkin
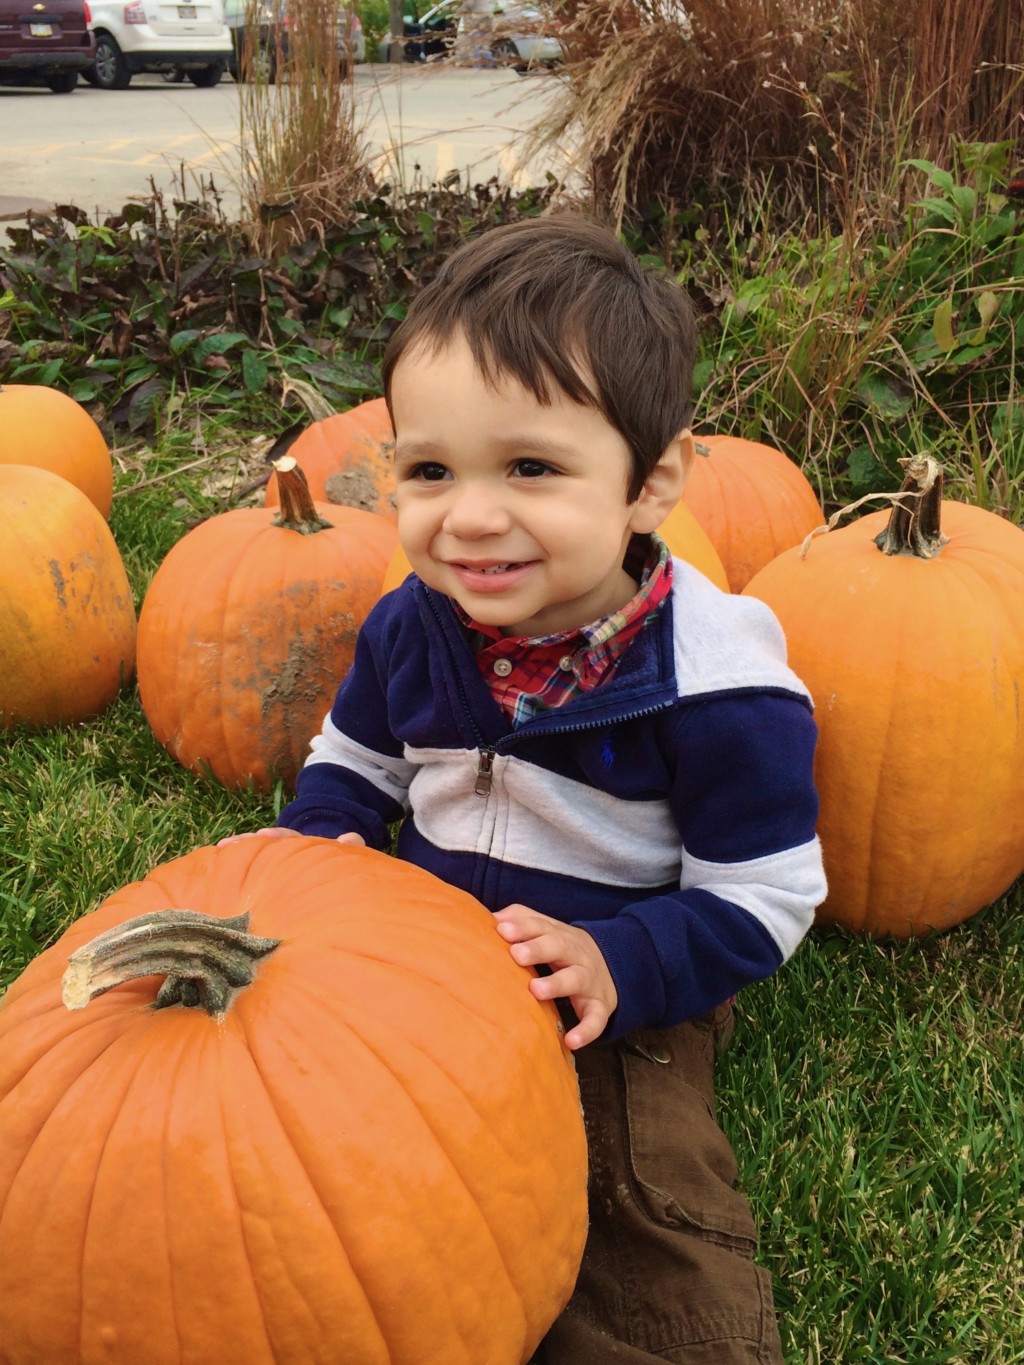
[913,649]
[249,626]
[348,459]
[361,1146]
[752,501]
[67,618]
[43,427]
[679,531]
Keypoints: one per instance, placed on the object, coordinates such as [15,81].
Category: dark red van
[44,42]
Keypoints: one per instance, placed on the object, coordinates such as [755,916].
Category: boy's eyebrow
[417,450]
[514,445]
[538,445]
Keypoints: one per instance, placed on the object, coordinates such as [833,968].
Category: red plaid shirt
[528,674]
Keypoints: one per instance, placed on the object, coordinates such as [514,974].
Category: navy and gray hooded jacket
[669,812]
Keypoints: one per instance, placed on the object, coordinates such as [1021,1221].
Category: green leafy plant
[852,349]
[169,302]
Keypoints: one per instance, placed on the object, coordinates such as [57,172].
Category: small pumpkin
[348,459]
[680,532]
[314,1114]
[67,618]
[752,501]
[250,624]
[43,427]
[908,629]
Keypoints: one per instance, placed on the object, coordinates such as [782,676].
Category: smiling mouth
[491,569]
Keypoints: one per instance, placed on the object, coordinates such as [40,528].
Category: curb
[13,207]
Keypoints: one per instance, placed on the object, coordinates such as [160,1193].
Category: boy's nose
[474,512]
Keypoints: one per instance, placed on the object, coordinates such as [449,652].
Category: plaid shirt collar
[530,674]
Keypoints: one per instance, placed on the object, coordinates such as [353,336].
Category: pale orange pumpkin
[910,636]
[752,501]
[67,618]
[250,624]
[315,1115]
[43,427]
[348,459]
[680,532]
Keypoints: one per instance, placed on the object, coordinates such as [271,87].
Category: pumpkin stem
[206,960]
[915,521]
[298,512]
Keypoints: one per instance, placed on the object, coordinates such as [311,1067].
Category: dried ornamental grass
[304,157]
[661,100]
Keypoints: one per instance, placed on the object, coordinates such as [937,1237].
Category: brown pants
[668,1272]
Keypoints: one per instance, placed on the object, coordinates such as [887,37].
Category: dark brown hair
[560,300]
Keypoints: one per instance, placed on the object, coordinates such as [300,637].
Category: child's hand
[281,832]
[578,968]
[273,832]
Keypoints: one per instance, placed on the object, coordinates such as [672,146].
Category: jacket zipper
[485,763]
[484,773]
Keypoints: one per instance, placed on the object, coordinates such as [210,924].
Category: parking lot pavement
[98,149]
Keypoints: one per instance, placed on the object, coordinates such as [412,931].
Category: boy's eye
[429,471]
[532,469]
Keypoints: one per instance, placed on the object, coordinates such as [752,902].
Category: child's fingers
[566,981]
[273,832]
[593,1017]
[518,922]
[545,948]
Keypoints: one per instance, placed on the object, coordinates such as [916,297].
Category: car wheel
[205,76]
[109,65]
[174,75]
[64,83]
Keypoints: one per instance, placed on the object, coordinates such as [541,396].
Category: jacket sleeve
[751,878]
[355,779]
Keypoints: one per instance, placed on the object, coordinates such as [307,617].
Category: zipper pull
[482,786]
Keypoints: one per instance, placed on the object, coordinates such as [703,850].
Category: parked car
[260,47]
[44,42]
[432,36]
[158,35]
[517,35]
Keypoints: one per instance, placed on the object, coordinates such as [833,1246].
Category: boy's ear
[665,484]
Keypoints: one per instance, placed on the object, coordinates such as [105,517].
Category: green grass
[87,809]
[873,1097]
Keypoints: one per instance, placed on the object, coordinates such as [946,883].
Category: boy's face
[516,510]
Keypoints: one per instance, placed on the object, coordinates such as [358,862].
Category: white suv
[154,35]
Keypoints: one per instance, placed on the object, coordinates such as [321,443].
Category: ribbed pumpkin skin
[348,459]
[680,532]
[916,667]
[752,501]
[67,618]
[245,633]
[374,1157]
[46,428]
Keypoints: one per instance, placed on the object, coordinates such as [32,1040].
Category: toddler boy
[593,740]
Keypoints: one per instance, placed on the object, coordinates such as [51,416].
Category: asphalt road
[98,148]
